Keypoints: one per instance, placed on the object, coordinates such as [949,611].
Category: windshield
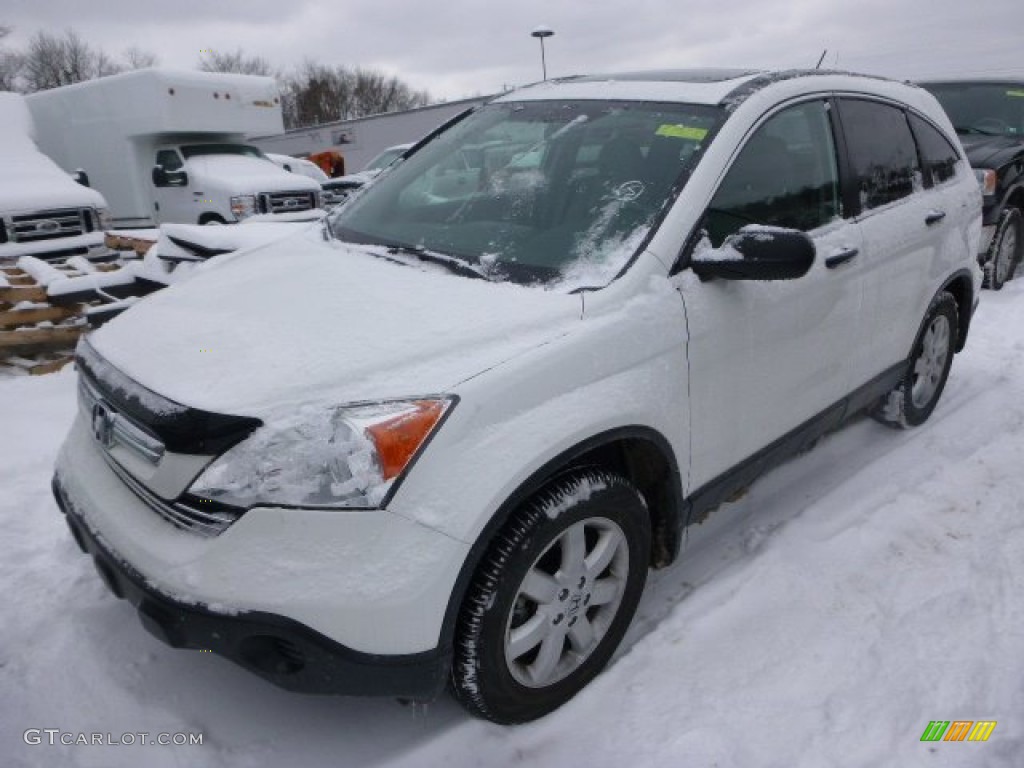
[535,191]
[995,109]
[192,150]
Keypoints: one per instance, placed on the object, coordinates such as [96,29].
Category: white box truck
[43,213]
[166,146]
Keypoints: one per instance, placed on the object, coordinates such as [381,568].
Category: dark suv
[989,119]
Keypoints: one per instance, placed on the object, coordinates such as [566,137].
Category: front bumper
[354,591]
[90,245]
[278,649]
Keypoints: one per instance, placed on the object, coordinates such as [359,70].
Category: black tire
[211,219]
[1005,251]
[494,679]
[912,401]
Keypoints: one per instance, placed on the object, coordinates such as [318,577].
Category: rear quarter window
[938,155]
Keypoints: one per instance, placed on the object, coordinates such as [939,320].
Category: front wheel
[912,401]
[1004,253]
[552,597]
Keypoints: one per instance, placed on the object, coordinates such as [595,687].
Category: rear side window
[939,157]
[883,156]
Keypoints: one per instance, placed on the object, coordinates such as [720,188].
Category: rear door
[766,357]
[902,220]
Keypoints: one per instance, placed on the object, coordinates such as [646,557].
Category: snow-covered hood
[246,175]
[30,181]
[302,321]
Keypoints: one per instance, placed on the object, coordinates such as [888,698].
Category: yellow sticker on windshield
[682,132]
[1018,94]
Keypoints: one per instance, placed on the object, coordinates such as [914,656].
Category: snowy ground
[852,596]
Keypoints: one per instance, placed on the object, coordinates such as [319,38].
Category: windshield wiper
[974,129]
[454,265]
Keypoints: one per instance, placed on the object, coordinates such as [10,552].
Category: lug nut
[563,594]
[558,618]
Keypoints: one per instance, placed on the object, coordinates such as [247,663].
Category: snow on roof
[16,124]
[727,87]
[695,86]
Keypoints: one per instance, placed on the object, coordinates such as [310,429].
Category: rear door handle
[934,217]
[840,257]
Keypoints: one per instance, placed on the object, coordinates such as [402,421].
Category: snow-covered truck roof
[167,101]
[16,126]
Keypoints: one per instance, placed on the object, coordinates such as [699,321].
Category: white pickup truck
[43,212]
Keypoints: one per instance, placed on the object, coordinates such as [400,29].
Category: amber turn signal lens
[398,438]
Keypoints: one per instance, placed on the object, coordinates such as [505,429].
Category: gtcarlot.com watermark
[53,736]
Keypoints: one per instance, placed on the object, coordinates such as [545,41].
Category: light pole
[540,33]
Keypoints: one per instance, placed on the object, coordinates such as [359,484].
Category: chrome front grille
[287,202]
[207,523]
[111,428]
[48,225]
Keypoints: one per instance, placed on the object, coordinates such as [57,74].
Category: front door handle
[934,217]
[840,257]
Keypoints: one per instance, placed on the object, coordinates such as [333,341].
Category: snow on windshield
[557,193]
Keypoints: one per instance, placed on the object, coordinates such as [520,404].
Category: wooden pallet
[117,242]
[40,338]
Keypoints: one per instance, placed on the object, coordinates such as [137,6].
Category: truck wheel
[1004,252]
[552,597]
[912,401]
[211,218]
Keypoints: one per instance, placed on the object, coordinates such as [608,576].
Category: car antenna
[818,65]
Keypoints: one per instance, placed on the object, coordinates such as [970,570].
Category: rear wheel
[912,401]
[552,597]
[211,219]
[1004,253]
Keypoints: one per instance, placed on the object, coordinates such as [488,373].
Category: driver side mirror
[756,253]
[80,176]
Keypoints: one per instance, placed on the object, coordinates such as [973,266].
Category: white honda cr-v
[441,437]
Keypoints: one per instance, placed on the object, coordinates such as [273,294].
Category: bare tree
[237,62]
[316,93]
[10,64]
[136,58]
[52,61]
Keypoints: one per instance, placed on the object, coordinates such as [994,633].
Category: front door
[766,357]
[172,196]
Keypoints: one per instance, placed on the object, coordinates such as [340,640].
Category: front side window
[882,152]
[537,191]
[785,176]
[939,157]
[168,160]
[995,109]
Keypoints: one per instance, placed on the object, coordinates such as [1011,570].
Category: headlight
[341,457]
[102,219]
[243,206]
[986,180]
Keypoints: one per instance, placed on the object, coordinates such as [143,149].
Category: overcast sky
[459,48]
